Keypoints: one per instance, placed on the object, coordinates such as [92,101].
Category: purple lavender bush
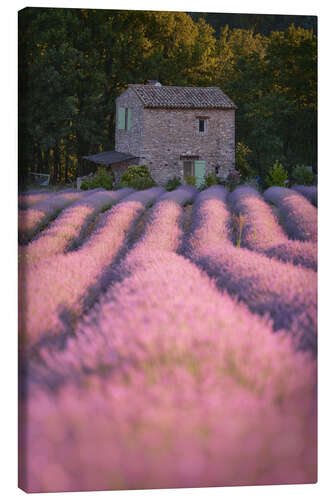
[154,358]
[147,397]
[30,221]
[286,292]
[262,232]
[64,280]
[310,192]
[299,217]
[70,226]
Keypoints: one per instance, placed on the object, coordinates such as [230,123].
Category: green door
[199,172]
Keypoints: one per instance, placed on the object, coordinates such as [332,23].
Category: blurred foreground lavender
[180,363]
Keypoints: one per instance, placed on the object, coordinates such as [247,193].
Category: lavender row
[68,282]
[302,253]
[299,217]
[70,226]
[286,292]
[310,192]
[30,221]
[182,195]
[163,228]
[153,387]
[211,220]
[261,229]
[29,199]
[262,233]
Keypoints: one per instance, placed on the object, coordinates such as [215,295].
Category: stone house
[175,131]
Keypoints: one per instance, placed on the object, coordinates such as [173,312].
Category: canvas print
[167,249]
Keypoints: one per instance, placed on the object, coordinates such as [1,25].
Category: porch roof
[109,157]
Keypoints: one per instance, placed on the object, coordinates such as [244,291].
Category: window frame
[204,120]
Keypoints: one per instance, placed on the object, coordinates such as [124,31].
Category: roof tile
[153,96]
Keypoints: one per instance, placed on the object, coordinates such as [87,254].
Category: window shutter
[121,118]
[128,119]
[200,172]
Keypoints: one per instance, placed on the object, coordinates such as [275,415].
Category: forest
[73,63]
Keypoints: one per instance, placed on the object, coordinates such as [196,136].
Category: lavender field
[167,339]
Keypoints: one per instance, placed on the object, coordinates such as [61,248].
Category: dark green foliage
[273,81]
[302,176]
[277,176]
[232,181]
[241,163]
[173,183]
[85,185]
[190,180]
[211,179]
[102,179]
[137,177]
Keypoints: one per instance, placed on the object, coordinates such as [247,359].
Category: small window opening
[202,126]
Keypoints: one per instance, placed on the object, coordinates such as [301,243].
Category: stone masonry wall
[130,141]
[168,134]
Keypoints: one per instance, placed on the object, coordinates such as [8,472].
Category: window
[124,118]
[202,125]
[188,168]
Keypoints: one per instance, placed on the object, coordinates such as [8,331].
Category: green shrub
[277,175]
[211,179]
[85,185]
[173,183]
[102,179]
[137,177]
[302,175]
[190,180]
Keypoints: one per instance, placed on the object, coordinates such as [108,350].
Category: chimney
[155,83]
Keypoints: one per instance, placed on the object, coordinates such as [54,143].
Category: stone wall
[168,134]
[130,141]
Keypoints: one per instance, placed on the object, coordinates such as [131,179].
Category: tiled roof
[153,96]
